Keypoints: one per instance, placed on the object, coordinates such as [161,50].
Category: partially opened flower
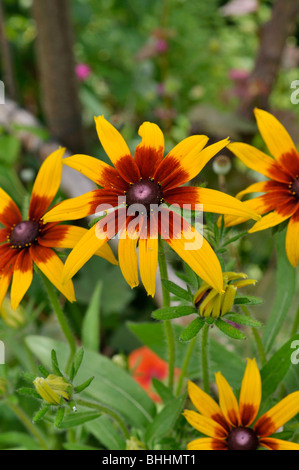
[229,424]
[212,304]
[23,242]
[281,199]
[53,389]
[148,181]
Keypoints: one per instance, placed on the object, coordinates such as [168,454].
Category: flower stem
[61,318]
[108,411]
[25,420]
[257,338]
[185,365]
[205,359]
[295,328]
[167,323]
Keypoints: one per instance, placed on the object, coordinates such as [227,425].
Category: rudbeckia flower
[148,181]
[23,242]
[281,199]
[212,304]
[229,424]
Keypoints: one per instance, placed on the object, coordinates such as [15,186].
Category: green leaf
[59,416]
[164,422]
[77,363]
[41,413]
[285,289]
[235,238]
[10,439]
[229,330]
[29,392]
[177,290]
[111,386]
[55,366]
[248,300]
[243,320]
[91,322]
[43,371]
[106,433]
[162,390]
[167,313]
[192,329]
[10,148]
[78,418]
[277,367]
[80,388]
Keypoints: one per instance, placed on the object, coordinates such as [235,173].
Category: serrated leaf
[243,320]
[192,329]
[167,313]
[177,290]
[229,330]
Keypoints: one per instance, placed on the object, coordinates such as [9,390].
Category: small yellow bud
[53,389]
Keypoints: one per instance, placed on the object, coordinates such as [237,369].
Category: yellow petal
[148,260]
[258,187]
[256,204]
[149,153]
[4,284]
[127,256]
[269,220]
[272,443]
[277,416]
[292,237]
[9,212]
[46,184]
[227,400]
[274,134]
[204,424]
[22,277]
[207,443]
[94,169]
[250,394]
[228,299]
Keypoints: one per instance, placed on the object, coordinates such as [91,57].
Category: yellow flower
[148,180]
[212,304]
[228,425]
[53,389]
[281,199]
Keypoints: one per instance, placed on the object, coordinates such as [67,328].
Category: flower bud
[53,389]
[222,165]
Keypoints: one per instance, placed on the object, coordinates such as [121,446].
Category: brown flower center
[145,193]
[294,187]
[242,438]
[24,233]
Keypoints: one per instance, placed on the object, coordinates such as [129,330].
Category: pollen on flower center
[146,193]
[242,438]
[294,187]
[24,233]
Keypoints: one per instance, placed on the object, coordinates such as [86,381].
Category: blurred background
[193,67]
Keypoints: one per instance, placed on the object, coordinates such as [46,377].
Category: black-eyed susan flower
[229,425]
[148,181]
[53,389]
[212,304]
[281,199]
[24,242]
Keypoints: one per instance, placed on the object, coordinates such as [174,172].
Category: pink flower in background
[161,45]
[83,71]
[241,86]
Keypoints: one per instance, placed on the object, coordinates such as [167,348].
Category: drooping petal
[205,404]
[46,184]
[211,201]
[207,443]
[91,242]
[82,206]
[148,260]
[127,255]
[97,170]
[9,212]
[257,204]
[274,218]
[206,425]
[117,150]
[258,161]
[227,400]
[276,137]
[186,160]
[250,394]
[192,247]
[67,236]
[5,279]
[52,266]
[277,416]
[259,187]
[292,237]
[22,277]
[149,153]
[272,443]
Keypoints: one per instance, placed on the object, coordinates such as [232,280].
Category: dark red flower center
[146,193]
[242,439]
[295,188]
[24,233]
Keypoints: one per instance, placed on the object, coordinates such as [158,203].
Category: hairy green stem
[167,323]
[205,358]
[61,318]
[26,421]
[185,365]
[108,411]
[257,338]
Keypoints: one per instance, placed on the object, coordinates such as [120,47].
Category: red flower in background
[146,365]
